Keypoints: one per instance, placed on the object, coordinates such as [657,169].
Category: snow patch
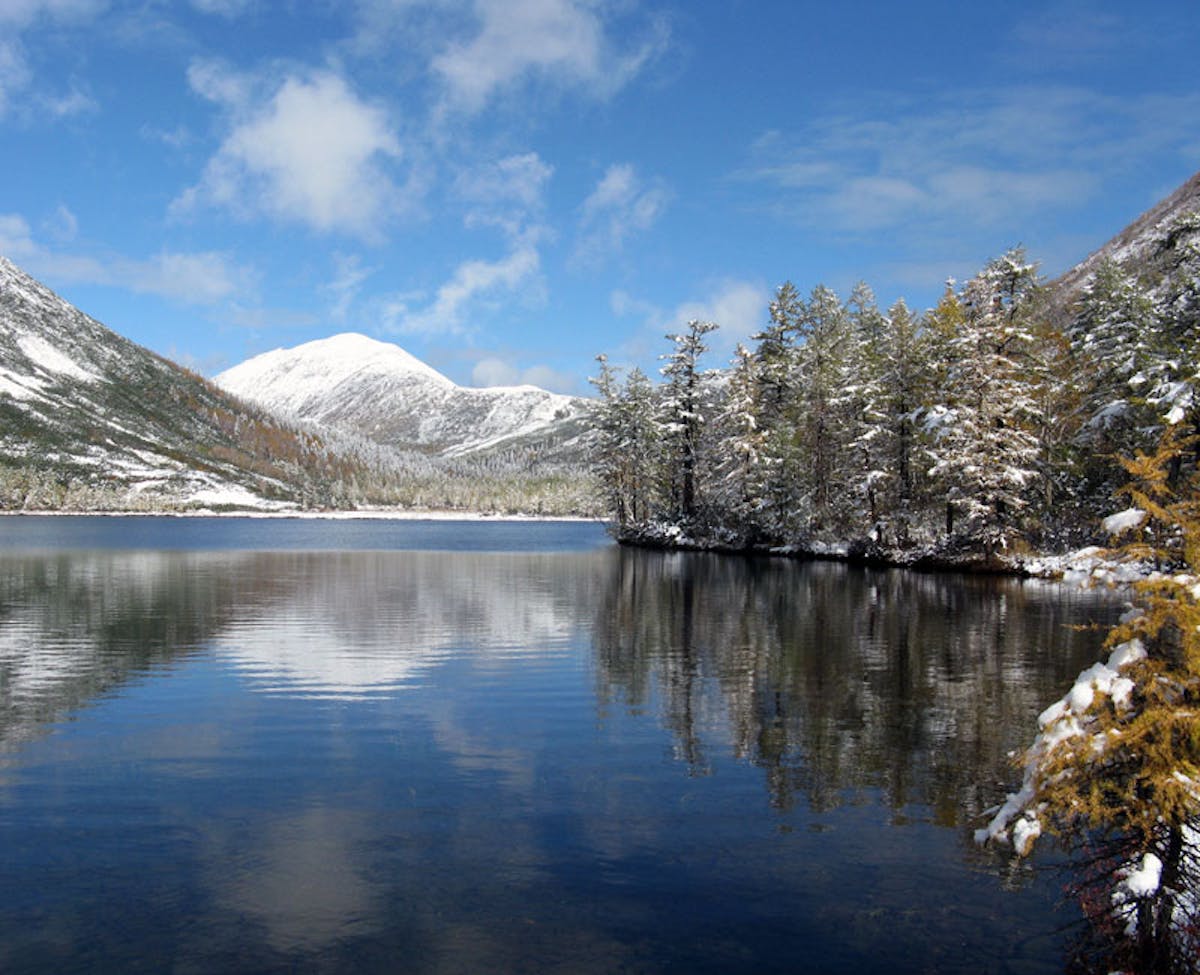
[1123,521]
[50,359]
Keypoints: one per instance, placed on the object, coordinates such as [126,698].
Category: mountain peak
[377,390]
[340,356]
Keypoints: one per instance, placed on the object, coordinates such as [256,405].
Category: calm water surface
[255,746]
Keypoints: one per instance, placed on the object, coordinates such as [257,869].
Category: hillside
[89,419]
[379,391]
[1161,248]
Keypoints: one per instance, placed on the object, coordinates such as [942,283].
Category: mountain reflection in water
[607,760]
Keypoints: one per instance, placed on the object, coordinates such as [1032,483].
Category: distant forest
[985,427]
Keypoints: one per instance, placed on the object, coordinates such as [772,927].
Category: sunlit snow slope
[84,410]
[379,391]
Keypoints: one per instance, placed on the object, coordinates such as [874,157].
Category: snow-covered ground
[1091,566]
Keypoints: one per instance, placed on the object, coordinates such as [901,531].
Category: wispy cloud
[19,84]
[981,158]
[471,291]
[507,193]
[621,205]
[14,72]
[563,42]
[312,153]
[223,8]
[343,290]
[21,13]
[196,278]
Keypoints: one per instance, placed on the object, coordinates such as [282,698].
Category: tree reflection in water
[834,679]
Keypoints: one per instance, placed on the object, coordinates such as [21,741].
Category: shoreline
[1082,568]
[366,514]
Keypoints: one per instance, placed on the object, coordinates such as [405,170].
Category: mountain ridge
[378,390]
[91,419]
[1160,246]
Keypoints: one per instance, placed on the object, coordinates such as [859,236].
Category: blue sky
[508,187]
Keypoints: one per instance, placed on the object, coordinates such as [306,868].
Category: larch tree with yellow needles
[1115,771]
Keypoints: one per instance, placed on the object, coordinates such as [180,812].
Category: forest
[987,427]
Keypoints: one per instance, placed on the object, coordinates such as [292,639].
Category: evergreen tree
[683,419]
[821,410]
[1117,337]
[775,360]
[865,398]
[985,451]
[742,465]
[625,445]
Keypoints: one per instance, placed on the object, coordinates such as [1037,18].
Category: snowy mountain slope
[1162,247]
[376,389]
[89,418]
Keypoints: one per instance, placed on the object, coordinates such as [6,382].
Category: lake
[245,745]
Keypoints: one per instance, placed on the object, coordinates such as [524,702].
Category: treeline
[210,438]
[991,422]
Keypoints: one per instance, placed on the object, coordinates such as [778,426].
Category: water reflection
[463,761]
[833,679]
[75,625]
[364,623]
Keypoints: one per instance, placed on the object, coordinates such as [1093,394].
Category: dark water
[234,746]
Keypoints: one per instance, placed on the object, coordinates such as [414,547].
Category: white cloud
[472,286]
[313,154]
[738,307]
[561,41]
[203,277]
[621,205]
[494,371]
[992,159]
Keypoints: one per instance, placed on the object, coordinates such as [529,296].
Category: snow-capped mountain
[379,391]
[88,418]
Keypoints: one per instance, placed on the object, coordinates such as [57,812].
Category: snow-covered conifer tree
[864,398]
[1116,336]
[984,448]
[682,417]
[742,466]
[822,411]
[626,445]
